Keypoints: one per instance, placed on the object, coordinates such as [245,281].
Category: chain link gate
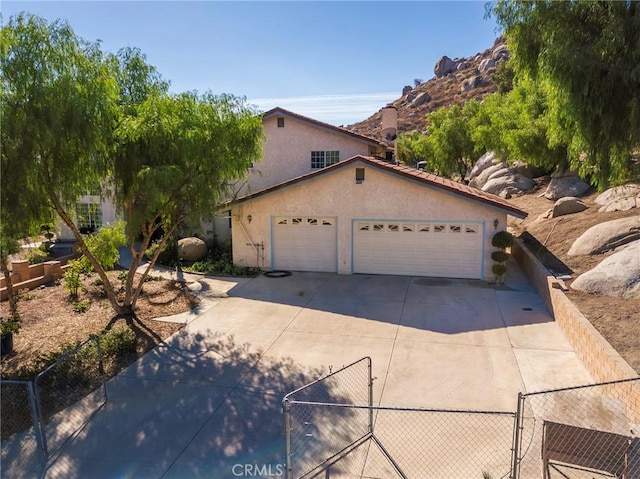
[333,429]
[579,432]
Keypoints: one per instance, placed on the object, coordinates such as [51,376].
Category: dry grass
[49,321]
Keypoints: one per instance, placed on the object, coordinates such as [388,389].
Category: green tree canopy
[588,52]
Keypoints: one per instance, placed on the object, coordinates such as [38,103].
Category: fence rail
[333,429]
[39,416]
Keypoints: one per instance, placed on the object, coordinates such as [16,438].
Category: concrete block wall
[26,276]
[602,361]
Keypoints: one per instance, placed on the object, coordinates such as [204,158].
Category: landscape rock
[502,172]
[621,204]
[480,180]
[486,64]
[618,275]
[462,66]
[421,99]
[500,52]
[527,170]
[469,84]
[562,186]
[619,198]
[192,249]
[513,183]
[617,192]
[606,236]
[567,206]
[406,89]
[444,66]
[482,163]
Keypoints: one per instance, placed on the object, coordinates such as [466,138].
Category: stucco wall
[108,216]
[382,196]
[287,151]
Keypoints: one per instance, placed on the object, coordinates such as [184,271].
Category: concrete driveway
[210,398]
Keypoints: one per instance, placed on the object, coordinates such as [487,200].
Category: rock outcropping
[606,236]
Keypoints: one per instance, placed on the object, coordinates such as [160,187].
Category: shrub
[499,269]
[81,307]
[72,282]
[118,341]
[169,254]
[105,242]
[502,240]
[499,256]
[37,256]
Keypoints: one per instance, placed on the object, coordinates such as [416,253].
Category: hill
[456,81]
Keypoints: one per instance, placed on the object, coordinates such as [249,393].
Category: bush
[499,269]
[81,307]
[105,242]
[502,240]
[118,341]
[37,256]
[219,261]
[499,256]
[168,255]
[72,281]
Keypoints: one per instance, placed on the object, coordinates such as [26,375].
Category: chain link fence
[580,432]
[39,416]
[334,430]
[22,452]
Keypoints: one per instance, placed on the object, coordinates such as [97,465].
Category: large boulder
[484,162]
[421,99]
[486,64]
[562,186]
[444,66]
[192,249]
[619,198]
[406,89]
[618,275]
[480,180]
[568,206]
[606,236]
[510,183]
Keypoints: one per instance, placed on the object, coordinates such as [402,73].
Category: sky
[337,62]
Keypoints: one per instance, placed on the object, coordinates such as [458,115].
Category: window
[407,228]
[455,228]
[88,217]
[359,175]
[439,228]
[393,227]
[378,227]
[322,159]
[280,122]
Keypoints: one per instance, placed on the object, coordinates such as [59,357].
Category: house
[367,215]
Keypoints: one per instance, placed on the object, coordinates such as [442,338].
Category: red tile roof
[282,112]
[406,172]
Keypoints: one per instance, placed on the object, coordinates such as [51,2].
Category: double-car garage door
[418,248]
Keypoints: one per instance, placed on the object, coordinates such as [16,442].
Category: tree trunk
[13,303]
[111,294]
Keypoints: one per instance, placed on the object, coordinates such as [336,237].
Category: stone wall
[26,276]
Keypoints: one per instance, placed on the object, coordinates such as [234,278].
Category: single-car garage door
[305,243]
[425,248]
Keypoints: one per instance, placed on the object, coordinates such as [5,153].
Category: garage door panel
[303,243]
[427,248]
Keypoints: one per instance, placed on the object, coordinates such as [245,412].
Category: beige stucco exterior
[381,196]
[287,151]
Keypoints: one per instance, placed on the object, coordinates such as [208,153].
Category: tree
[588,52]
[175,157]
[77,118]
[518,126]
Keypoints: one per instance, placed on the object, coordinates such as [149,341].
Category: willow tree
[58,114]
[77,118]
[175,157]
[588,52]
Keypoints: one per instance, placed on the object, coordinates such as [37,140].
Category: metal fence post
[40,415]
[517,439]
[101,367]
[370,397]
[286,409]
[36,422]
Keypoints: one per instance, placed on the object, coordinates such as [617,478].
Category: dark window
[280,122]
[359,175]
[322,159]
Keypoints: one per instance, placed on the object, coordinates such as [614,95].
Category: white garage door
[442,249]
[305,243]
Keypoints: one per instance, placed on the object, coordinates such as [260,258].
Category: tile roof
[406,172]
[277,111]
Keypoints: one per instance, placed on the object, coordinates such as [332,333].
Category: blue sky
[337,62]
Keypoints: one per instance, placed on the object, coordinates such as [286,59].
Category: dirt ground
[49,320]
[618,320]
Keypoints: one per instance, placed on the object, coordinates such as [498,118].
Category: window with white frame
[322,159]
[88,217]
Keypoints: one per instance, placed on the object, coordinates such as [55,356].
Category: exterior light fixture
[496,223]
[249,218]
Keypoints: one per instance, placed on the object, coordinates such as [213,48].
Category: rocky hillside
[456,81]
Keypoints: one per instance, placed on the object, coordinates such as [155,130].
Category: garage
[424,248]
[305,243]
